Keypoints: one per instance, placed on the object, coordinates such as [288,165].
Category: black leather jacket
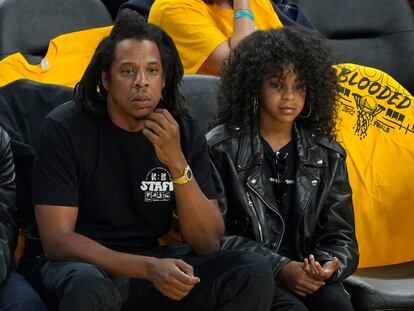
[322,209]
[8,229]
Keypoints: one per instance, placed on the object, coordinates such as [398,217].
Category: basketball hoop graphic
[367,109]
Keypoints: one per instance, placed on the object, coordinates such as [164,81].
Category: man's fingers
[180,287]
[152,137]
[167,115]
[159,118]
[186,274]
[163,118]
[175,293]
[153,126]
[185,267]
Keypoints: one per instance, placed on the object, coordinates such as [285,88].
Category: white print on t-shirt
[157,185]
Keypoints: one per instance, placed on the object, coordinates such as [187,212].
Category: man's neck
[125,121]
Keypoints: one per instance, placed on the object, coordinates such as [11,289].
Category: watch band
[185,178]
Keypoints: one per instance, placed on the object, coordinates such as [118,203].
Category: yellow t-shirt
[198,29]
[376,127]
[66,59]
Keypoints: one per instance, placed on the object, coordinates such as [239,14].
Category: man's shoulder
[67,114]
[63,112]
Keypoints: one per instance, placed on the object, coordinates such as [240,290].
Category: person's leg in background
[16,294]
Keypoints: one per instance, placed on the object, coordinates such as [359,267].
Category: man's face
[135,83]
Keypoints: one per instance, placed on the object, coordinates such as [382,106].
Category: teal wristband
[243,13]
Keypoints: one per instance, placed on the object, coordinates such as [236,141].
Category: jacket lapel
[311,161]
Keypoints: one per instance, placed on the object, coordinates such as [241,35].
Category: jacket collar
[250,151]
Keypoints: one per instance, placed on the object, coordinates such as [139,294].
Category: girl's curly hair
[265,54]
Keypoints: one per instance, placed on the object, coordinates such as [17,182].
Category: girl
[283,173]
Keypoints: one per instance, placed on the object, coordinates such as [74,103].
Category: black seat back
[23,105]
[27,26]
[200,93]
[374,33]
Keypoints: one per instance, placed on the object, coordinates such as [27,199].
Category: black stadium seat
[200,93]
[23,105]
[27,26]
[374,33]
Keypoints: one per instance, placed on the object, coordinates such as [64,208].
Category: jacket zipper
[259,226]
[268,205]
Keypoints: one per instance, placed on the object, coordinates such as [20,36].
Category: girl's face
[282,100]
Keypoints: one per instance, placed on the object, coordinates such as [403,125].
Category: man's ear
[105,80]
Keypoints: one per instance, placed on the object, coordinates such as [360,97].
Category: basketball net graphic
[367,109]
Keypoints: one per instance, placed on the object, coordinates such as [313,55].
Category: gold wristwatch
[187,176]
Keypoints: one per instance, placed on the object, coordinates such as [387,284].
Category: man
[205,32]
[110,169]
[15,293]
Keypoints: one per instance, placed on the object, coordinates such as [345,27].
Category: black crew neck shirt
[123,193]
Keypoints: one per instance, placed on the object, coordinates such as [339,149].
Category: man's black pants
[230,280]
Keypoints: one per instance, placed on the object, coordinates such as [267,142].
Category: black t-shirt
[123,193]
[280,172]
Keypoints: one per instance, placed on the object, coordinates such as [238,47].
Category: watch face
[189,174]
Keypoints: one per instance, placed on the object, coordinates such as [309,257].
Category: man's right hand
[297,280]
[172,277]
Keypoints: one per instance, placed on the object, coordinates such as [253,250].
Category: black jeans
[230,280]
[330,297]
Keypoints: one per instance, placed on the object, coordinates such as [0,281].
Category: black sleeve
[195,149]
[55,178]
[8,228]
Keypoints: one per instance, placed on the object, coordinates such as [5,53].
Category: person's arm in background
[201,44]
[242,27]
[8,229]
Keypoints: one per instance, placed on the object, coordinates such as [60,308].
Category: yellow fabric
[376,127]
[198,29]
[64,64]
